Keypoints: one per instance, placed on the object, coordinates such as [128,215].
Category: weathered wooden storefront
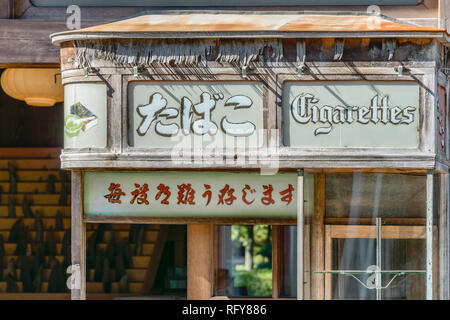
[331,130]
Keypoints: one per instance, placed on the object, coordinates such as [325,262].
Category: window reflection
[370,230]
[244,264]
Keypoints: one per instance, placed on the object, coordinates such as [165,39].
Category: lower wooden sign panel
[190,194]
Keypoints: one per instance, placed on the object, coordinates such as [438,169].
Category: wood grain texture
[277,268]
[78,234]
[6,9]
[317,238]
[28,42]
[328,263]
[370,232]
[199,258]
[188,220]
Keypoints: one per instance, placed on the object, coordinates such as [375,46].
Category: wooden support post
[328,263]
[307,263]
[199,250]
[317,241]
[78,234]
[276,261]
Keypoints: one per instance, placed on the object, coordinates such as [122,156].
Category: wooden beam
[369,170]
[199,251]
[20,7]
[369,221]
[276,261]
[28,42]
[328,263]
[6,9]
[190,220]
[78,234]
[307,263]
[370,232]
[317,240]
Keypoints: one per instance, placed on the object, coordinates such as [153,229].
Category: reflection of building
[348,108]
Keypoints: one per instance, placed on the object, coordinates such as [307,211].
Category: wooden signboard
[190,194]
[351,114]
[164,114]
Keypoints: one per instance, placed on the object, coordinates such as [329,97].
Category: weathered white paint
[89,130]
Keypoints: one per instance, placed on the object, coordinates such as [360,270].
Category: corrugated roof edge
[86,34]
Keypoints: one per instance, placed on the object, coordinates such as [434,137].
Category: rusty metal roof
[248,25]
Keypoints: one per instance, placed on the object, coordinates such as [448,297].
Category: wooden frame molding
[317,237]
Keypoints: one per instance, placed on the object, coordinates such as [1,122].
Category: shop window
[367,237]
[404,258]
[244,261]
[364,237]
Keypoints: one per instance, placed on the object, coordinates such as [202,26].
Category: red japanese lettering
[115,193]
[246,189]
[163,189]
[140,194]
[226,191]
[207,193]
[186,194]
[267,200]
[287,194]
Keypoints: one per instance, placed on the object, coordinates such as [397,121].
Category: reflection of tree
[257,241]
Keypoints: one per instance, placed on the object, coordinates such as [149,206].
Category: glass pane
[397,255]
[367,237]
[244,262]
[375,195]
